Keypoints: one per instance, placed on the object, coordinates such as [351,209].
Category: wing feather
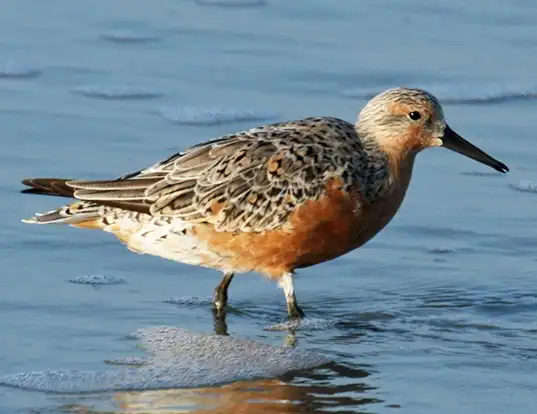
[250,181]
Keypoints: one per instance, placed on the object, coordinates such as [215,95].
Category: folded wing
[251,181]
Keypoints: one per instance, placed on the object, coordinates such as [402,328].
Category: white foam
[97,280]
[180,359]
[524,186]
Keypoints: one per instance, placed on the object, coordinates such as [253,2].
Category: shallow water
[436,314]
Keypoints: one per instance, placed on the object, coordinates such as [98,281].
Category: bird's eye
[414,115]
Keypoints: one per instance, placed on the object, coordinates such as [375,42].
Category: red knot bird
[271,199]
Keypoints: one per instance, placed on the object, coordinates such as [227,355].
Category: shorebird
[271,199]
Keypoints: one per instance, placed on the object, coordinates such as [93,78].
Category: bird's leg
[220,293]
[286,283]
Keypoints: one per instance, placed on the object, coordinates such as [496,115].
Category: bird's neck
[401,167]
[389,169]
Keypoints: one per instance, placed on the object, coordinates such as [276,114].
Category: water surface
[436,314]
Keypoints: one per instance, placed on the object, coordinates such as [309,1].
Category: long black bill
[455,142]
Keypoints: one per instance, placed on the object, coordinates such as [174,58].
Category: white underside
[169,239]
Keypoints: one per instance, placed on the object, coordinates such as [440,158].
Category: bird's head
[406,121]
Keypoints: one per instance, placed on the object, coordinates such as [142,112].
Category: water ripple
[128,36]
[306,324]
[119,92]
[199,116]
[482,174]
[460,93]
[442,250]
[189,300]
[13,70]
[232,3]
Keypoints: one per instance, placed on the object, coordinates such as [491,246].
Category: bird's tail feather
[48,186]
[74,213]
[62,187]
[80,213]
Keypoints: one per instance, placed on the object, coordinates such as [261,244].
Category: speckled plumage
[270,199]
[252,180]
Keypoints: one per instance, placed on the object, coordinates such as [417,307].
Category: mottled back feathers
[250,181]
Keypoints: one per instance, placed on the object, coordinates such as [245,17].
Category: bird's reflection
[330,388]
[334,387]
[221,328]
[219,322]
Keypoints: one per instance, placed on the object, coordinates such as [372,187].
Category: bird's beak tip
[503,168]
[455,142]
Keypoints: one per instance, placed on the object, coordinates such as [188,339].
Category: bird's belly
[318,231]
[333,239]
